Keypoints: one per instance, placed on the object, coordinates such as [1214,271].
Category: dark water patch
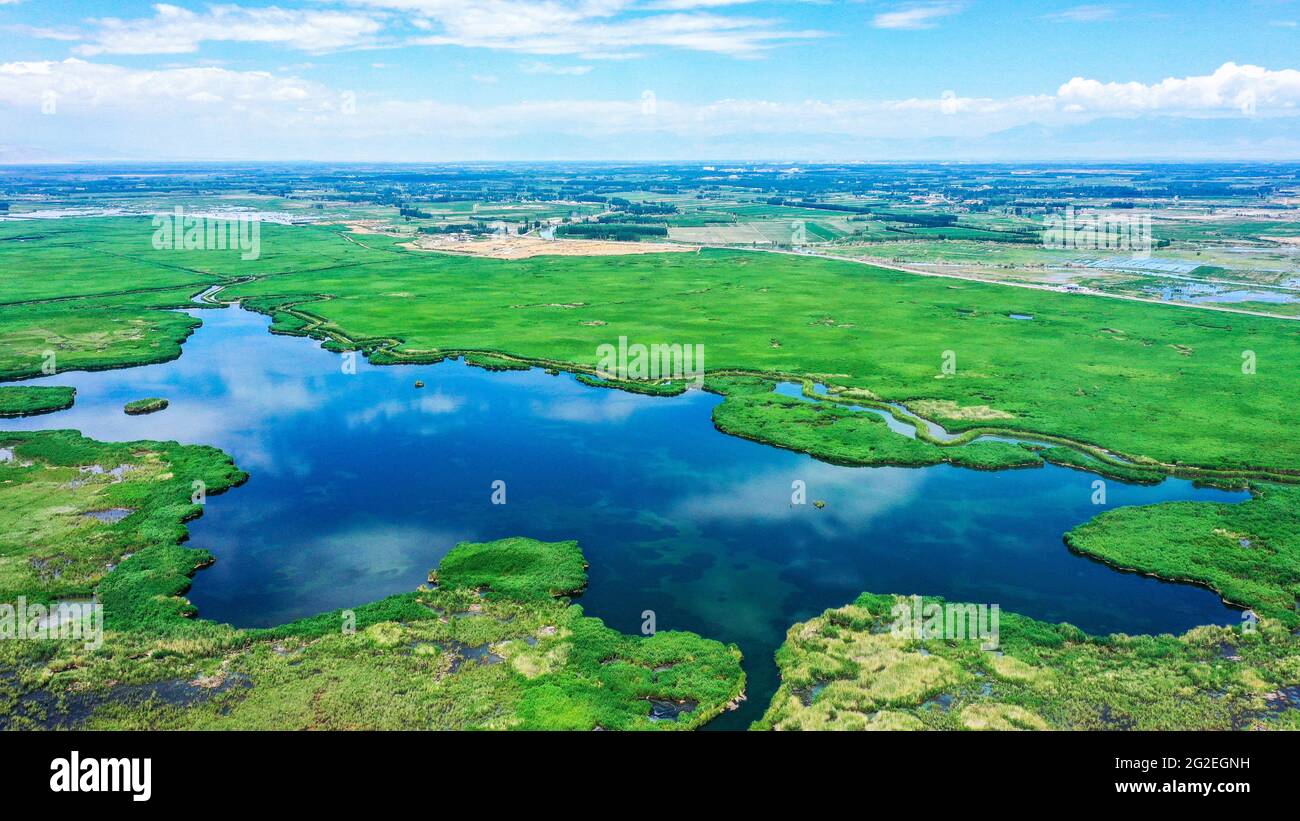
[116,474]
[942,702]
[1287,698]
[112,514]
[53,711]
[1111,721]
[807,695]
[1276,704]
[668,710]
[470,654]
[481,653]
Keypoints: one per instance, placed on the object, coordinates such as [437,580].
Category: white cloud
[94,85]
[765,497]
[538,67]
[262,108]
[174,30]
[615,407]
[1231,87]
[1084,14]
[923,16]
[101,84]
[684,5]
[65,34]
[435,404]
[592,28]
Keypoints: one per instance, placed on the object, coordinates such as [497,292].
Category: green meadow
[843,436]
[28,400]
[1249,553]
[1150,382]
[1154,382]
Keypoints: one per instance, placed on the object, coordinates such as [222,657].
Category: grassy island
[32,400]
[141,407]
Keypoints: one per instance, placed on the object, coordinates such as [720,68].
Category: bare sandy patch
[380,227]
[858,393]
[945,409]
[1283,240]
[514,246]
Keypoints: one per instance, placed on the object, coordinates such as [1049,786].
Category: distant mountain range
[20,154]
[1111,139]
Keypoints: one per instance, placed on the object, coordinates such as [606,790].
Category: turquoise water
[361,483]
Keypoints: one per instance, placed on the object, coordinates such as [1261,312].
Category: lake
[362,482]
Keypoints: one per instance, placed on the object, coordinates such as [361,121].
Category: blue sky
[649,79]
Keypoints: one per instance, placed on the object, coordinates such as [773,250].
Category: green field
[32,401]
[1165,384]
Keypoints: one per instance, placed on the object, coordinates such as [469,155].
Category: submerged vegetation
[848,670]
[28,400]
[492,644]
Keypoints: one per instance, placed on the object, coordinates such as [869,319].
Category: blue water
[361,483]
